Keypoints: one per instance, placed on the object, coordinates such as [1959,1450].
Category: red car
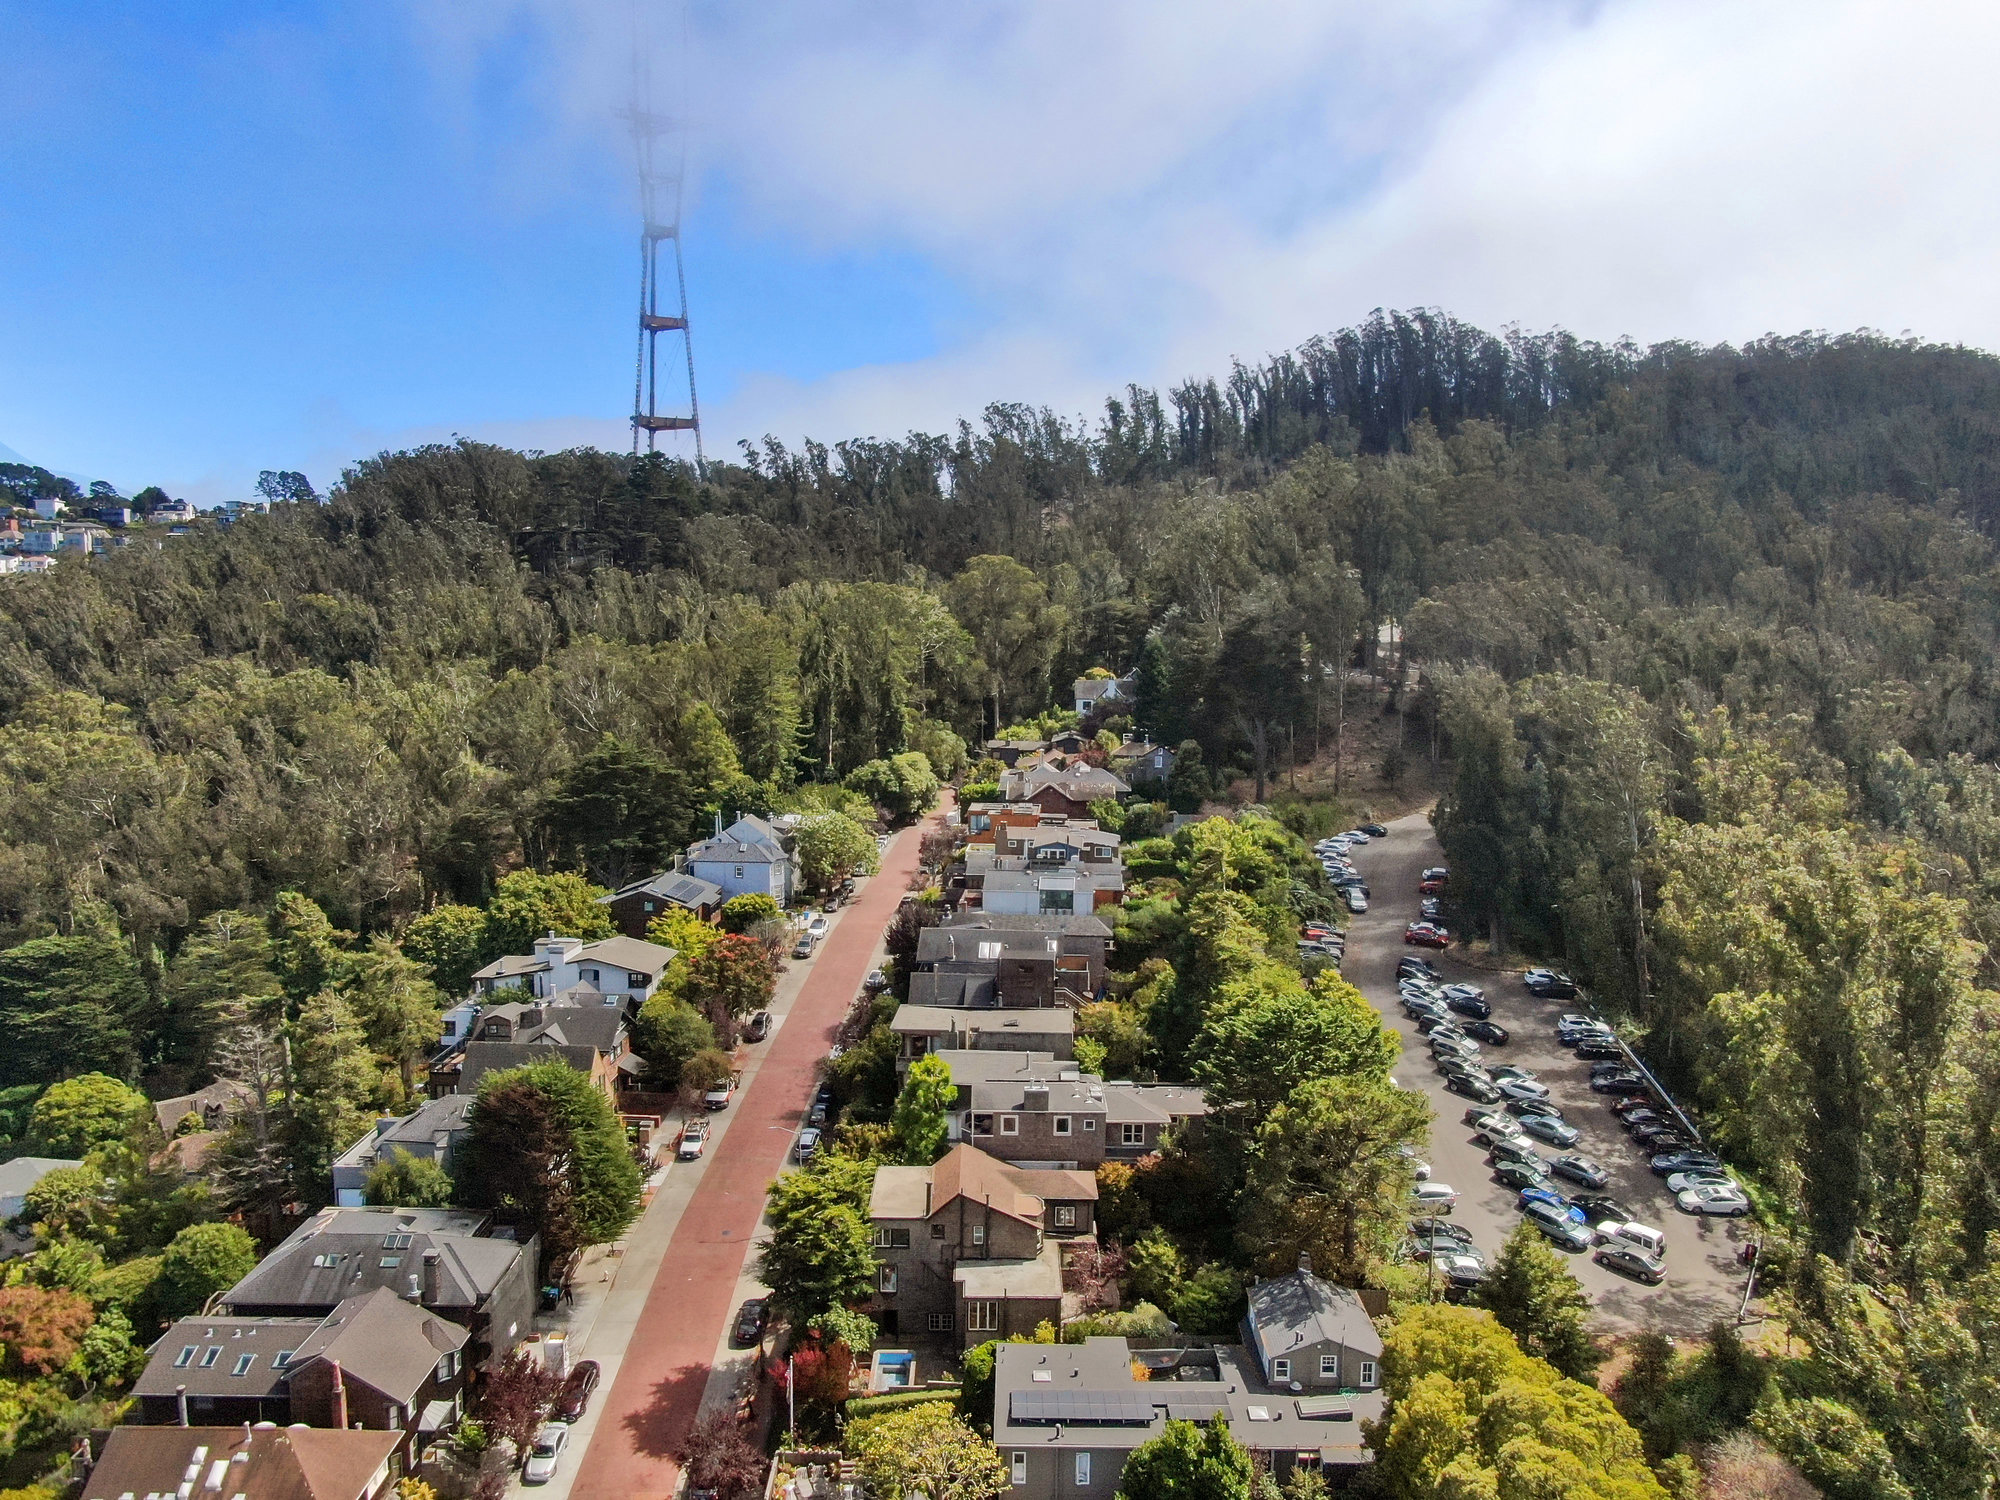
[1426,935]
[1434,881]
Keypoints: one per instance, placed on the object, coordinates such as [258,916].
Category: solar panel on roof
[1078,1408]
[1195,1408]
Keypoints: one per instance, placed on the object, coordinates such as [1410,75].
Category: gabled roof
[1289,1312]
[968,1172]
[281,1463]
[340,1253]
[749,840]
[262,1338]
[384,1340]
[675,886]
[23,1172]
[1126,1102]
[958,991]
[627,953]
[482,1058]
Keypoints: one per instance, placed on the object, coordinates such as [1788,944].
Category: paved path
[659,1384]
[1704,1281]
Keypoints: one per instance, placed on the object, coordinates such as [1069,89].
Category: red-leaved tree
[515,1400]
[715,1455]
[41,1327]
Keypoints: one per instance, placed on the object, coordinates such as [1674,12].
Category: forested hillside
[1703,638]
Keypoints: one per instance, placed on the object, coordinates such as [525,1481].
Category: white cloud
[1143,190]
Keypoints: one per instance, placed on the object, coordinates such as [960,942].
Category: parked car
[1685,1161]
[808,1146]
[1594,1047]
[1547,984]
[1433,881]
[1462,1268]
[750,1320]
[1433,1197]
[1491,1032]
[1598,1208]
[757,1027]
[1411,966]
[822,1105]
[1523,1088]
[1441,1229]
[1519,1174]
[1633,1104]
[1431,909]
[1356,901]
[1555,1132]
[1623,1082]
[1522,1108]
[816,924]
[1375,830]
[1716,1202]
[803,948]
[1456,1046]
[1514,1148]
[719,1096]
[1580,1170]
[694,1141]
[1552,1197]
[1426,935]
[1632,1262]
[575,1394]
[1641,1237]
[547,1453]
[1491,1127]
[876,982]
[1661,1135]
[1637,1115]
[1469,1087]
[1681,1182]
[1558,1226]
[1468,1005]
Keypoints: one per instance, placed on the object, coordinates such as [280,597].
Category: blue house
[749,856]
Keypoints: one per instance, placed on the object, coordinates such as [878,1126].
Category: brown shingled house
[281,1463]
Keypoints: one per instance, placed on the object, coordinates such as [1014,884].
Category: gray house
[431,1131]
[749,856]
[1305,1332]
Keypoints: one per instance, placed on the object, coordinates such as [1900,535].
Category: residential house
[1030,959]
[639,904]
[749,856]
[982,819]
[1093,693]
[969,1249]
[455,1260]
[1042,888]
[19,1176]
[593,1038]
[166,512]
[378,1361]
[432,1132]
[1011,752]
[1031,1107]
[1137,1116]
[1305,1332]
[614,971]
[1143,763]
[1065,1416]
[1070,743]
[237,1463]
[212,1106]
[1048,1029]
[1062,789]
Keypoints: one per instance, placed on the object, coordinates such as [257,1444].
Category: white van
[1633,1236]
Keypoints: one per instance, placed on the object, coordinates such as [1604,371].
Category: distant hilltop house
[749,857]
[642,902]
[566,970]
[1141,761]
[1092,693]
[969,1249]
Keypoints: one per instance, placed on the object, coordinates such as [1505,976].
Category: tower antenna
[660,145]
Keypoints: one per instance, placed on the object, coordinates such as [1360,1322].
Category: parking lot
[1704,1278]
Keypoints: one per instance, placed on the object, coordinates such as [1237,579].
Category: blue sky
[284,235]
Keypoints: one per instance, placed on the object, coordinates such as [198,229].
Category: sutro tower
[662,155]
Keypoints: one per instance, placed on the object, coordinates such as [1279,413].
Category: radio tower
[662,155]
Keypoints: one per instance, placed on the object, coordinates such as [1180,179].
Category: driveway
[1704,1280]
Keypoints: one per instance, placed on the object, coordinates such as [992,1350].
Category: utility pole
[660,146]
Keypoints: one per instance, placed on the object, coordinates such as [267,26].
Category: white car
[1681,1182]
[1355,836]
[1435,1197]
[546,1455]
[1641,1237]
[1419,1168]
[817,926]
[1715,1202]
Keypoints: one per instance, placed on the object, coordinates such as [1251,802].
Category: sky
[289,234]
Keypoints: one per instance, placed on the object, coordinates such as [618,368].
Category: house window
[982,1124]
[739,873]
[1368,1374]
[243,1364]
[637,981]
[395,1417]
[1090,1124]
[390,1262]
[1281,1369]
[1058,903]
[1065,1216]
[282,1358]
[983,1315]
[1010,1125]
[978,1234]
[1062,1124]
[209,1355]
[448,1366]
[940,1322]
[937,1231]
[591,975]
[892,1239]
[186,1356]
[887,1280]
[1131,1135]
[1082,1470]
[1019,1466]
[1329,1367]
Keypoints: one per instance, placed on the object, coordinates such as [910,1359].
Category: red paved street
[657,1393]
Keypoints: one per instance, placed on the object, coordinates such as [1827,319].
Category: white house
[19,1176]
[616,969]
[1091,692]
[748,857]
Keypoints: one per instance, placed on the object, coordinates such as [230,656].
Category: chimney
[1035,1097]
[181,1403]
[431,1270]
[339,1397]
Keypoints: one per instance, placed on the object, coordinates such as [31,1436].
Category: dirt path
[658,1389]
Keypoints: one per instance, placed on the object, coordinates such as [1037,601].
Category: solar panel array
[1081,1408]
[1195,1408]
